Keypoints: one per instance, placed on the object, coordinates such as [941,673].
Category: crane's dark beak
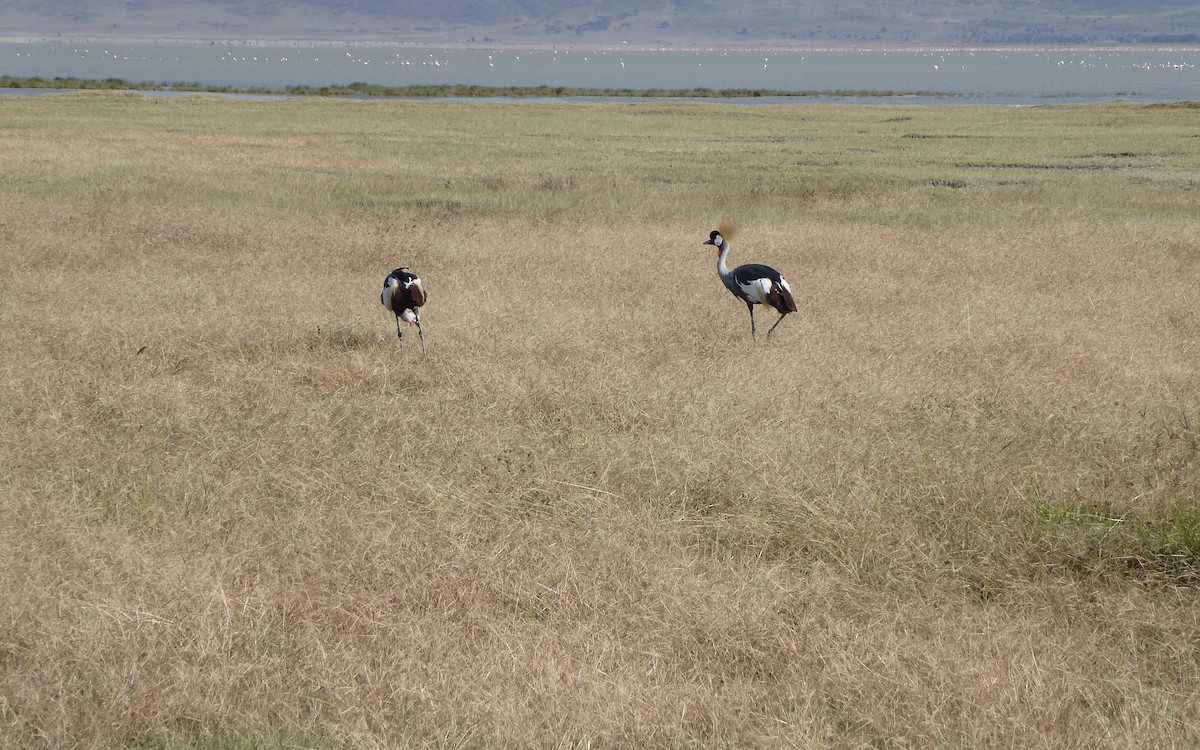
[708,242]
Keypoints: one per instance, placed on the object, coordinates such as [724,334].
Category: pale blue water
[979,76]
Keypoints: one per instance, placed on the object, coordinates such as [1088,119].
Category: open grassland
[953,501]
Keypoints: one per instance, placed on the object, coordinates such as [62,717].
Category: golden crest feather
[727,230]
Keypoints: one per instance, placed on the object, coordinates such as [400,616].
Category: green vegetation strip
[441,91]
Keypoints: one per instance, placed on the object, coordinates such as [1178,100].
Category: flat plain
[951,502]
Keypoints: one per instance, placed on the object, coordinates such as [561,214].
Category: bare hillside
[854,22]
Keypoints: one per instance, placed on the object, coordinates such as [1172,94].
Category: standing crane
[403,294]
[753,283]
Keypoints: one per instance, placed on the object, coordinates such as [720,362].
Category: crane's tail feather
[416,293]
[780,297]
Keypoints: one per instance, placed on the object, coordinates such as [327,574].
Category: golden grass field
[953,502]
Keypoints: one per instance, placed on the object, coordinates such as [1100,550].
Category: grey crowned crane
[753,283]
[403,294]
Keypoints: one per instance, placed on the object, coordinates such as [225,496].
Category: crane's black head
[714,238]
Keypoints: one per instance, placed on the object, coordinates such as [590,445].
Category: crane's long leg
[750,305]
[421,335]
[776,323]
[399,333]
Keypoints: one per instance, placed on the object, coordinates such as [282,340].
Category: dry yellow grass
[952,502]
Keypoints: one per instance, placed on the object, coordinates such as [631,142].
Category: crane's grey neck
[722,257]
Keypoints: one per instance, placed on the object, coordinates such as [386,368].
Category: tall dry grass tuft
[951,502]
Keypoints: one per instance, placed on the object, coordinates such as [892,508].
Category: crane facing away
[403,294]
[753,283]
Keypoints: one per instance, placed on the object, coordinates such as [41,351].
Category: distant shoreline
[447,91]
